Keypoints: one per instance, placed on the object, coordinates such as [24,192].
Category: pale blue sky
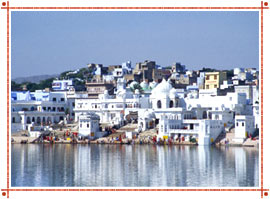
[48,42]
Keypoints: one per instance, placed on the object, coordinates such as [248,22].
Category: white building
[89,126]
[61,85]
[39,108]
[244,125]
[205,131]
[113,109]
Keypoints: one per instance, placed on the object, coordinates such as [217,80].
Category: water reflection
[133,166]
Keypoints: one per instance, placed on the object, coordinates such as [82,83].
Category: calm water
[44,165]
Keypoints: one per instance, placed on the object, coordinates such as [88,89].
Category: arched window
[38,120]
[159,104]
[171,104]
[28,120]
[33,119]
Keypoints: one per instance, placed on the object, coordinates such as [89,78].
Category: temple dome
[163,88]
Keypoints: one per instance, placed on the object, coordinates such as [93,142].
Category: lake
[58,165]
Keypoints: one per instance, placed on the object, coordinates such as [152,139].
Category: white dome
[149,114]
[144,85]
[162,88]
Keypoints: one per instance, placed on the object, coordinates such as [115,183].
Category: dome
[152,85]
[132,84]
[149,114]
[162,88]
[144,85]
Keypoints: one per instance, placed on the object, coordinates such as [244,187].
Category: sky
[51,42]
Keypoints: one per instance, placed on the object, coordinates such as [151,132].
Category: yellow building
[214,79]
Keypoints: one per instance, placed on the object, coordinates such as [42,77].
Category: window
[207,77]
[54,99]
[171,104]
[87,125]
[80,125]
[236,123]
[73,104]
[207,86]
[159,104]
[243,124]
[13,120]
[62,99]
[215,86]
[215,76]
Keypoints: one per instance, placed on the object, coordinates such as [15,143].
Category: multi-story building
[96,87]
[36,108]
[214,79]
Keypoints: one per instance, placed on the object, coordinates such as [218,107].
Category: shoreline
[27,140]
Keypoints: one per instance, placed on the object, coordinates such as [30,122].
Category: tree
[135,87]
[15,86]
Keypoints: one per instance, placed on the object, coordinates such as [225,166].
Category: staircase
[220,137]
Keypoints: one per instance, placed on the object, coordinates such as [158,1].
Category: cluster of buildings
[177,102]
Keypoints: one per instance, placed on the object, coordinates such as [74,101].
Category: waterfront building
[38,108]
[244,126]
[89,126]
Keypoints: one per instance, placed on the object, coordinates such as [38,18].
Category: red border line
[134,8]
[128,189]
[8,98]
[261,98]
